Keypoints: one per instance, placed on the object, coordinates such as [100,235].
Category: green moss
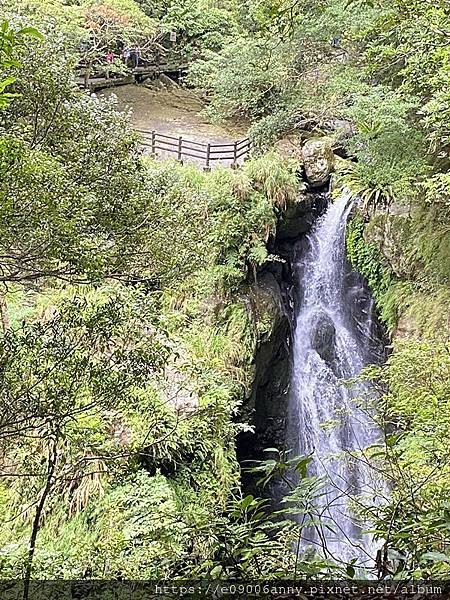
[394,301]
[418,248]
[427,313]
[429,243]
[366,257]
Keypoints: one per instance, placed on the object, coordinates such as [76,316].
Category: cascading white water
[333,341]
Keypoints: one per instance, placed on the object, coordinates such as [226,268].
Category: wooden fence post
[247,154]
[208,157]
[234,165]
[180,148]
[154,143]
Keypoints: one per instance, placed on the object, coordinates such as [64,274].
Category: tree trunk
[4,313]
[52,458]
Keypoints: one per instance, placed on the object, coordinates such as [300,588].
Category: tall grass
[275,176]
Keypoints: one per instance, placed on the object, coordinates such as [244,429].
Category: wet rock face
[296,219]
[299,216]
[318,161]
[323,340]
[387,232]
[265,407]
[271,299]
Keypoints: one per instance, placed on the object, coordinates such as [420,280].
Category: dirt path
[172,111]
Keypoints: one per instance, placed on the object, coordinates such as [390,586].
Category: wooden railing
[206,153]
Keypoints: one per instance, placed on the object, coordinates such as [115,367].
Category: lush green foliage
[243,80]
[414,523]
[375,76]
[10,40]
[89,30]
[128,343]
[119,403]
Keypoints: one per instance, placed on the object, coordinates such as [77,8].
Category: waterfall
[333,341]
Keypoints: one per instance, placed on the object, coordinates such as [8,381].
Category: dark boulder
[324,339]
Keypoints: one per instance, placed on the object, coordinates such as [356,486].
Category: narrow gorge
[309,398]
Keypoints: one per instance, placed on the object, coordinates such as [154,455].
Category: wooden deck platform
[135,76]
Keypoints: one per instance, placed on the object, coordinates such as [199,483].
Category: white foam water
[333,341]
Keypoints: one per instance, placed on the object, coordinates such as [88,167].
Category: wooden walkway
[202,153]
[136,75]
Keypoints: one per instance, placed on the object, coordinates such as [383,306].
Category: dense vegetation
[128,331]
[375,77]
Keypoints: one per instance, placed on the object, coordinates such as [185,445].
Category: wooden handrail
[190,148]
